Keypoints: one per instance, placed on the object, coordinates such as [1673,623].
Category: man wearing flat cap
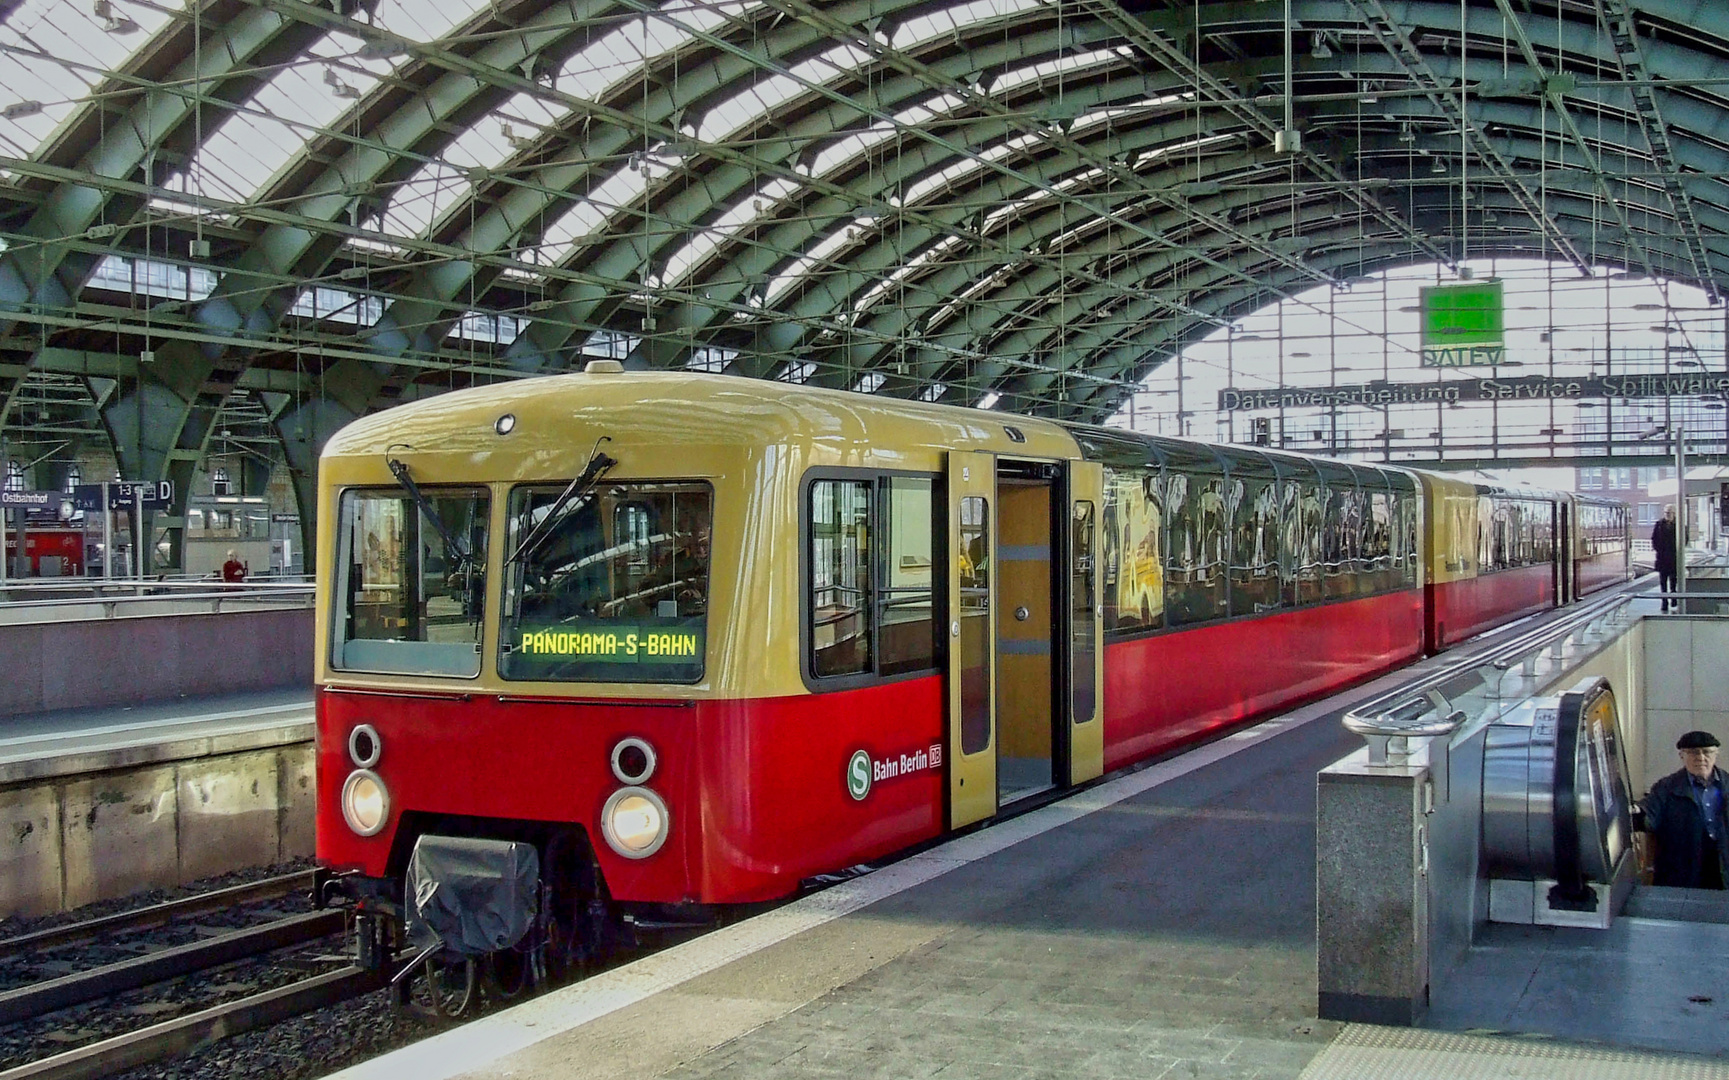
[1686,813]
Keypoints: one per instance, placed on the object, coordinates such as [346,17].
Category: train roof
[681,408]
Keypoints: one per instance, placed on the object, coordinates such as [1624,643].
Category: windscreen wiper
[598,464]
[452,544]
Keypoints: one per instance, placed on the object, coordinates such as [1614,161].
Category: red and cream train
[644,643]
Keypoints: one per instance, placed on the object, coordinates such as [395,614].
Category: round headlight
[633,761]
[365,802]
[635,822]
[364,746]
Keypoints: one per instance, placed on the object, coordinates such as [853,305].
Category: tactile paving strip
[1366,1052]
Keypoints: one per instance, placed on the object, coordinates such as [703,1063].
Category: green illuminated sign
[1462,324]
[611,644]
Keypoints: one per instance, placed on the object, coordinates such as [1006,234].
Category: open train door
[972,637]
[1085,661]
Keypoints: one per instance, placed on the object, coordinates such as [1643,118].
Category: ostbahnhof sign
[1526,388]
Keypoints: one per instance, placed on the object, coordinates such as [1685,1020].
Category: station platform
[71,741]
[1160,924]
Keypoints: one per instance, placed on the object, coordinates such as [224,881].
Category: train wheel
[443,989]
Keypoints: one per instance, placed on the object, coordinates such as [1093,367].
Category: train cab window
[412,590]
[1133,572]
[610,585]
[840,573]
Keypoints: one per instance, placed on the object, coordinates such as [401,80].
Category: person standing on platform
[1665,548]
[1685,812]
[234,571]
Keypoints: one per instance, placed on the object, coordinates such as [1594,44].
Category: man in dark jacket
[1664,548]
[1685,812]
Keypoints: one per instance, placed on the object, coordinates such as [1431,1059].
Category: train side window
[1310,554]
[1133,573]
[906,626]
[1195,559]
[1378,540]
[1406,546]
[1255,585]
[840,572]
[1341,539]
[974,642]
[1083,646]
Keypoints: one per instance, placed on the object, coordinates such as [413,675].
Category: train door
[972,742]
[1566,588]
[1029,735]
[1085,623]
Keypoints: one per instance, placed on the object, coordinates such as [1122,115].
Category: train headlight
[635,822]
[633,761]
[364,746]
[365,802]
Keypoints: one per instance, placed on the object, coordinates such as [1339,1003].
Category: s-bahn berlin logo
[863,771]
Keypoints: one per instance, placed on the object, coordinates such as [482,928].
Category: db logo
[858,775]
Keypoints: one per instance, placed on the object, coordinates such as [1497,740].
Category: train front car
[1492,556]
[609,649]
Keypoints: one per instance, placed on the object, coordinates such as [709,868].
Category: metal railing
[1478,688]
[145,599]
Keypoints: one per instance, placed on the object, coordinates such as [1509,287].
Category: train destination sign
[1524,388]
[609,644]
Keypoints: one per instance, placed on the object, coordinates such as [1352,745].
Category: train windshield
[411,582]
[609,586]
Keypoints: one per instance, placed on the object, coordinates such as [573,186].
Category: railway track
[159,965]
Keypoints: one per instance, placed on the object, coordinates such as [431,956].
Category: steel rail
[185,1034]
[26,1002]
[149,918]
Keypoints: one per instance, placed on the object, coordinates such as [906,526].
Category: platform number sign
[858,775]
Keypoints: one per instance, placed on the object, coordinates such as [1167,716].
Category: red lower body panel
[756,789]
[1599,572]
[1469,606]
[1167,689]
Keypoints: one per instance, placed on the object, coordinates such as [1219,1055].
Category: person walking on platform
[1665,548]
[1685,813]
[234,571]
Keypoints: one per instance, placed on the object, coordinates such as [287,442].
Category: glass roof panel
[906,269]
[300,99]
[949,19]
[422,20]
[1063,65]
[620,54]
[617,191]
[709,237]
[53,52]
[764,97]
[440,184]
[820,253]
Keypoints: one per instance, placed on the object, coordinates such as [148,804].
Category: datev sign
[1527,388]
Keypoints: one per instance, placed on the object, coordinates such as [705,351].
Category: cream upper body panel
[753,440]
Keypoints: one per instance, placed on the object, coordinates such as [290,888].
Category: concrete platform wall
[91,663]
[70,840]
